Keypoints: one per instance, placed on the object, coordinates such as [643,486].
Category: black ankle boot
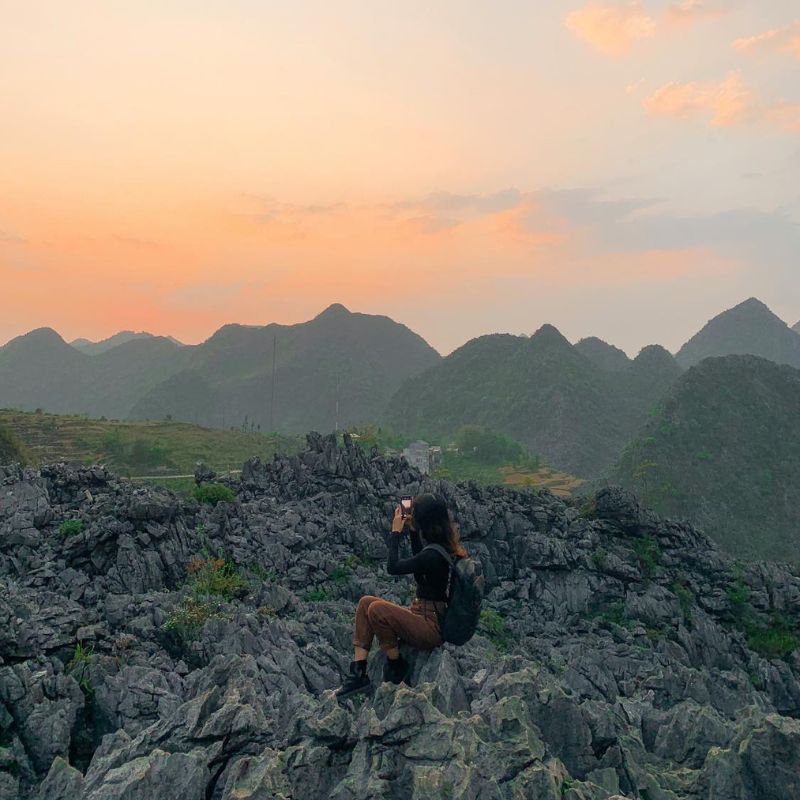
[356,681]
[396,669]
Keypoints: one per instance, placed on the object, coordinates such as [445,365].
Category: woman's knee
[378,610]
[366,601]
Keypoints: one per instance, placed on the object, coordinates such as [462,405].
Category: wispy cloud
[450,202]
[723,103]
[688,11]
[777,40]
[614,28]
[272,209]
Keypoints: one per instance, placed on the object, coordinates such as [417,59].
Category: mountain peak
[751,305]
[40,346]
[550,336]
[40,337]
[334,310]
[603,354]
[749,328]
[121,337]
[654,356]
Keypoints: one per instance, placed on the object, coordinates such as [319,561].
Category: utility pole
[336,429]
[272,399]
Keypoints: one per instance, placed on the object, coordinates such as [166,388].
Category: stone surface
[613,660]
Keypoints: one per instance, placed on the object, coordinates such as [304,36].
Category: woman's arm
[423,560]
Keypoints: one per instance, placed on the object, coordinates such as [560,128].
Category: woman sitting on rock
[430,522]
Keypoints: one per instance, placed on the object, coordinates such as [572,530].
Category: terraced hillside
[138,448]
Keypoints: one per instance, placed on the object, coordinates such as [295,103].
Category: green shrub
[654,634]
[685,599]
[187,619]
[648,555]
[776,640]
[213,493]
[262,573]
[81,656]
[739,598]
[588,507]
[80,663]
[340,576]
[494,627]
[488,447]
[215,576]
[317,595]
[70,527]
[614,613]
[600,557]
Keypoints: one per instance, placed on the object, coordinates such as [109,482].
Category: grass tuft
[70,527]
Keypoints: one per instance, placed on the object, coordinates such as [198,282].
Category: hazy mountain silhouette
[95,348]
[603,354]
[542,391]
[724,452]
[228,377]
[358,358]
[797,327]
[749,328]
[40,370]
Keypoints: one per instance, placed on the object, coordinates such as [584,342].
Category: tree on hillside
[487,446]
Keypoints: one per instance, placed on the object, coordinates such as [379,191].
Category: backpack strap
[441,550]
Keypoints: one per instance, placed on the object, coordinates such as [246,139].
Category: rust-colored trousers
[416,625]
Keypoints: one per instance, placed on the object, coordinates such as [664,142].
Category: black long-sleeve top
[429,567]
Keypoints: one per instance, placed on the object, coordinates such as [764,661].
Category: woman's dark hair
[435,523]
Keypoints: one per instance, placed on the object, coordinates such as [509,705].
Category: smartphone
[405,505]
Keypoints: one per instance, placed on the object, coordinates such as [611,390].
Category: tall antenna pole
[337,402]
[272,399]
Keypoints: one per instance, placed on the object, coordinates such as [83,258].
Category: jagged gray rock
[615,658]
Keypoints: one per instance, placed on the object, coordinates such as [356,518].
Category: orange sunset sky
[620,169]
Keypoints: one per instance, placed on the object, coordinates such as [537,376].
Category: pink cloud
[777,40]
[614,28]
[723,103]
[727,102]
[688,11]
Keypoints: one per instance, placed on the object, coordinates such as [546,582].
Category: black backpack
[463,613]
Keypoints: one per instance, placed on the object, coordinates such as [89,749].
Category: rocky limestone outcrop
[160,647]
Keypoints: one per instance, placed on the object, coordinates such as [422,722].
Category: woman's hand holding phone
[399,522]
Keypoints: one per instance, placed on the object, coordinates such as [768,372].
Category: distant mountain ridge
[95,348]
[724,452]
[577,405]
[339,357]
[747,329]
[540,390]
